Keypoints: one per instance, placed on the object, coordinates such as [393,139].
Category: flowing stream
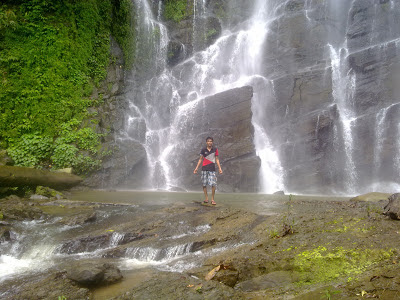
[37,246]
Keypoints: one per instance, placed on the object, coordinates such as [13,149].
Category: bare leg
[212,195]
[205,193]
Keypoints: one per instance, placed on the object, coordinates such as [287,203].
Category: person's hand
[195,171]
[220,171]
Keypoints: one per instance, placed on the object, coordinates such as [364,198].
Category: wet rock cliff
[329,105]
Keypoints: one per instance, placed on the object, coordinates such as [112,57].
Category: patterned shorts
[209,178]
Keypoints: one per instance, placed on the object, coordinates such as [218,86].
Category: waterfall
[343,83]
[234,60]
[144,115]
[358,175]
[322,74]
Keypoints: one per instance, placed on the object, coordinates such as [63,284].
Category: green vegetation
[52,55]
[176,10]
[122,28]
[323,265]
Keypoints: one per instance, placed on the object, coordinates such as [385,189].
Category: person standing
[209,157]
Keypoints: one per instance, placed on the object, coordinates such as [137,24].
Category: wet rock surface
[91,274]
[15,208]
[223,252]
[392,209]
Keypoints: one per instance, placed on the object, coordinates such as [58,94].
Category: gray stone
[371,197]
[227,118]
[94,274]
[38,197]
[392,209]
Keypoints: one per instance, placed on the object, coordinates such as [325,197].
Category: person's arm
[198,164]
[218,164]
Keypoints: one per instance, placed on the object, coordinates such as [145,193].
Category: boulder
[11,176]
[94,274]
[226,117]
[392,209]
[371,197]
[279,193]
[15,208]
[47,192]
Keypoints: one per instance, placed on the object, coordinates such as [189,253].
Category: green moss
[324,265]
[342,226]
[46,191]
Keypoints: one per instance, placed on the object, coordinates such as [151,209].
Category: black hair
[209,138]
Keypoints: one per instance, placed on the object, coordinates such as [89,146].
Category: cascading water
[234,60]
[146,121]
[321,73]
[347,96]
[343,85]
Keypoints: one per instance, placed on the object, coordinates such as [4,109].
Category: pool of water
[264,204]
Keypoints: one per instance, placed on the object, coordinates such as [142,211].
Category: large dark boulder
[392,209]
[94,274]
[22,176]
[226,117]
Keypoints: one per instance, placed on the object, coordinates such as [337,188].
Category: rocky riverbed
[302,248]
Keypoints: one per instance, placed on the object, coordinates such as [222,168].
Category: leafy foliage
[176,10]
[31,149]
[52,55]
[122,28]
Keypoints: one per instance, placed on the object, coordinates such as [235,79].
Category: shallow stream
[37,246]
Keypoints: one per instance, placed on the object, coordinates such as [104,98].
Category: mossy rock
[47,192]
[4,158]
[15,208]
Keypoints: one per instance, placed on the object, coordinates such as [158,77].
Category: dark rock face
[227,118]
[127,161]
[305,122]
[191,35]
[327,63]
[127,155]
